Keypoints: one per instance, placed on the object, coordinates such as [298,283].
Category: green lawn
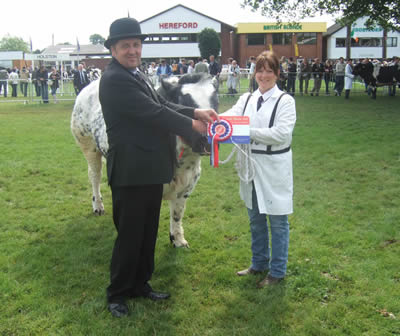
[343,271]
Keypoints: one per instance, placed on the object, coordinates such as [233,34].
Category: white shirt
[274,173]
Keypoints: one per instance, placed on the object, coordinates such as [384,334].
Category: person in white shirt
[272,116]
[190,67]
[14,79]
[348,78]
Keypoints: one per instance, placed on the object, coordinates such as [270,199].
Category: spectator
[201,67]
[174,68]
[283,73]
[394,63]
[24,77]
[292,74]
[4,82]
[305,75]
[152,73]
[328,67]
[164,70]
[233,78]
[339,70]
[14,78]
[182,67]
[348,79]
[43,77]
[191,67]
[36,82]
[214,69]
[318,70]
[81,79]
[55,78]
[253,86]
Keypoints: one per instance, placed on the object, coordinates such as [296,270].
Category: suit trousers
[136,213]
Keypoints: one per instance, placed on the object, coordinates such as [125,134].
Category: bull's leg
[177,209]
[93,157]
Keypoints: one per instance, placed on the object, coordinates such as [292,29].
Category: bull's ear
[214,82]
[169,84]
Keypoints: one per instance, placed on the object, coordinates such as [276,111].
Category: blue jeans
[339,84]
[45,92]
[263,258]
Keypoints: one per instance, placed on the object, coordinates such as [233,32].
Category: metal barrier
[31,91]
[303,85]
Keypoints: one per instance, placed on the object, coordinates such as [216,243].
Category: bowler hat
[122,29]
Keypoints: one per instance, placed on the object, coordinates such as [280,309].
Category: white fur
[88,128]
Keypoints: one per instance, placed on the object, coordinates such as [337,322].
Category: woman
[233,78]
[348,78]
[190,67]
[328,75]
[43,77]
[55,77]
[270,193]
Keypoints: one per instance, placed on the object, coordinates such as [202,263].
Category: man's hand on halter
[206,115]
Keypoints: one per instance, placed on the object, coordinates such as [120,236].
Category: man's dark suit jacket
[78,81]
[139,125]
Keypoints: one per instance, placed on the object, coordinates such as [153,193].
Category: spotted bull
[88,128]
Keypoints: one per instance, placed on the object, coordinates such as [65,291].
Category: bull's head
[197,91]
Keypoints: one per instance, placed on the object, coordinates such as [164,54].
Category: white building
[173,34]
[364,42]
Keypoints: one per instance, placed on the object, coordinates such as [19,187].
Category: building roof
[332,29]
[85,49]
[192,10]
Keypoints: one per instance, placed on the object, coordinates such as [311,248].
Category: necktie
[260,102]
[82,78]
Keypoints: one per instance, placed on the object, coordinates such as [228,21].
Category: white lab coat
[348,77]
[274,173]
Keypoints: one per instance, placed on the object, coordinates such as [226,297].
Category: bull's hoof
[98,212]
[178,242]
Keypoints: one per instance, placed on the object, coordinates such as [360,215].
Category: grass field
[343,271]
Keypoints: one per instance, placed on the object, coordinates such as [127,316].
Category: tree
[12,43]
[385,13]
[96,39]
[209,43]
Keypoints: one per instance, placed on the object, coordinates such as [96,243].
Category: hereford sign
[178,25]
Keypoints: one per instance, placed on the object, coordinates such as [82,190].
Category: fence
[302,86]
[31,92]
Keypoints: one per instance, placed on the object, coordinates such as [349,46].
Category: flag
[296,50]
[78,46]
[30,43]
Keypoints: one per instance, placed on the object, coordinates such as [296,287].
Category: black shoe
[118,309]
[156,296]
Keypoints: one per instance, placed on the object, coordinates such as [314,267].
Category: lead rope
[245,164]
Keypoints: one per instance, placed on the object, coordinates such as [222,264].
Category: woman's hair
[268,57]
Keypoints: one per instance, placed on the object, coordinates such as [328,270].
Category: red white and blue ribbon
[219,131]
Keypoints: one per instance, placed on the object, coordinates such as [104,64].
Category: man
[292,74]
[23,80]
[81,79]
[164,70]
[182,67]
[3,82]
[253,86]
[140,127]
[340,68]
[317,70]
[214,69]
[200,66]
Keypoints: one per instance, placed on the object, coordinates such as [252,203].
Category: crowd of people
[337,75]
[44,80]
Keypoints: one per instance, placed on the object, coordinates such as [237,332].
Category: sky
[73,20]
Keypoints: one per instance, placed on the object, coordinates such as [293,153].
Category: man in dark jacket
[81,79]
[140,125]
